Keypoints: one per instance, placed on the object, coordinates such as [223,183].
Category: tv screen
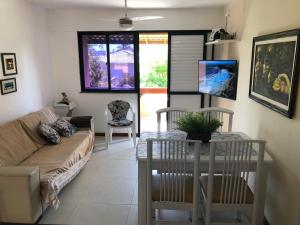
[218,77]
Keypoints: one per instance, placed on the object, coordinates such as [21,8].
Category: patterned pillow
[64,127]
[118,109]
[49,133]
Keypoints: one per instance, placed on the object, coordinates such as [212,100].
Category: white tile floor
[105,192]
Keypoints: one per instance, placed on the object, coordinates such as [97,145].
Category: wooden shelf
[220,42]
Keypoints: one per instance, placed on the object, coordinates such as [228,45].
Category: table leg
[259,204]
[142,186]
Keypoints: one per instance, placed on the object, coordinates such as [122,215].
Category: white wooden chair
[116,115]
[224,115]
[172,114]
[227,189]
[176,187]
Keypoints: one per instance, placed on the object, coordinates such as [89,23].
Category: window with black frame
[107,62]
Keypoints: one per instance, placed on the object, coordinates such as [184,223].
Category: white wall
[252,18]
[64,24]
[23,31]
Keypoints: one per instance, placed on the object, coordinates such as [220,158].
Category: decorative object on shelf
[9,64]
[65,99]
[198,126]
[213,35]
[274,71]
[221,34]
[8,86]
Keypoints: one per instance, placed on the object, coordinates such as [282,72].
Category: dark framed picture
[9,64]
[275,71]
[8,86]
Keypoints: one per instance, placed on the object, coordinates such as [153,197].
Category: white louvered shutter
[186,50]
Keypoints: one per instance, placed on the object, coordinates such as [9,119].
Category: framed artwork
[8,86]
[274,71]
[9,64]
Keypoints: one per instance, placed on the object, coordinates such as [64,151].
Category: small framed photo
[9,64]
[275,71]
[8,86]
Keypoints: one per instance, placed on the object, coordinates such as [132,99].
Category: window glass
[95,62]
[121,53]
[107,62]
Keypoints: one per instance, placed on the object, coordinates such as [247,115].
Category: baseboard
[114,134]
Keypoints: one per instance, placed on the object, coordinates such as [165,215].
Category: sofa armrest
[83,122]
[20,200]
[68,118]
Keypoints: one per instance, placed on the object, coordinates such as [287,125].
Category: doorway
[153,59]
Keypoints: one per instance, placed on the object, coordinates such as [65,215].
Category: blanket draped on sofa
[22,146]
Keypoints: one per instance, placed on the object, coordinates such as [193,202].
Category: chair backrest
[241,158]
[118,109]
[172,161]
[223,115]
[172,114]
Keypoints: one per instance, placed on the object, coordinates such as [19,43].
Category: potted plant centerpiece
[198,126]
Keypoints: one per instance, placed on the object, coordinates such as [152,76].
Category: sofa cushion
[31,123]
[15,144]
[49,133]
[64,127]
[54,158]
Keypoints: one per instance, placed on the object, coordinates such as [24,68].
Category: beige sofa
[32,172]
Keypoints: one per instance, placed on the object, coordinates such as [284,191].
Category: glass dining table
[141,155]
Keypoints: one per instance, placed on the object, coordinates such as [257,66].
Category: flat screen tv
[218,77]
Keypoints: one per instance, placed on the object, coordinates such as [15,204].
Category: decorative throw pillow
[49,133]
[118,109]
[64,127]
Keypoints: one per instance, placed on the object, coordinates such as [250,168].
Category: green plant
[197,123]
[157,77]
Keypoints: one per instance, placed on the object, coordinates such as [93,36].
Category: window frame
[80,35]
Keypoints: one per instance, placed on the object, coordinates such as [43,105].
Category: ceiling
[141,4]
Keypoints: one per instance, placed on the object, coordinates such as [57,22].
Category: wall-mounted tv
[218,77]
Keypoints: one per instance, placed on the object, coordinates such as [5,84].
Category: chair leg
[134,135]
[238,216]
[129,133]
[110,135]
[207,218]
[107,130]
[200,205]
[153,213]
[190,216]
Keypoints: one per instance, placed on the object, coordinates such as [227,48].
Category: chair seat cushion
[218,189]
[156,189]
[120,123]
